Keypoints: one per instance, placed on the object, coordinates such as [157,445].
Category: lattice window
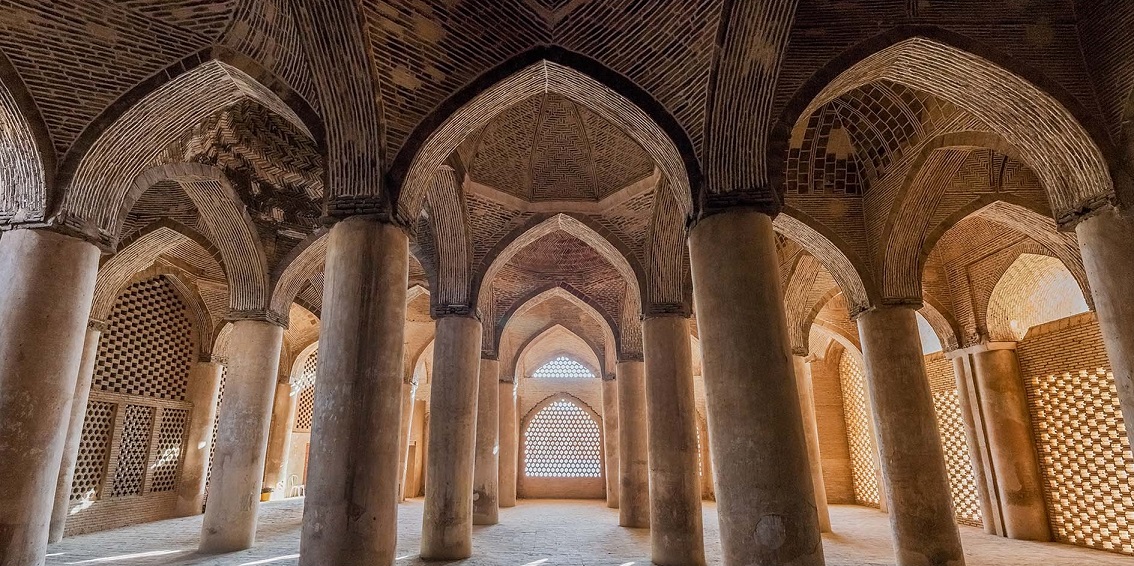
[133,451]
[90,467]
[216,426]
[562,441]
[563,367]
[148,344]
[864,471]
[1086,459]
[305,405]
[950,422]
[168,456]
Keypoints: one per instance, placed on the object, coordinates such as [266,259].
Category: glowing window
[562,441]
[563,367]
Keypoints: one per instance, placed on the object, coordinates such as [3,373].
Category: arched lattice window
[563,367]
[562,441]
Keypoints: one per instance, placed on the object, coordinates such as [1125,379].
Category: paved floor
[536,533]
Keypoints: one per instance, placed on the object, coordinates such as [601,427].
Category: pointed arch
[572,345]
[571,295]
[27,156]
[944,325]
[1043,122]
[140,131]
[849,271]
[1032,290]
[542,70]
[297,268]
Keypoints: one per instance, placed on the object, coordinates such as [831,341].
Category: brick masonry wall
[1080,435]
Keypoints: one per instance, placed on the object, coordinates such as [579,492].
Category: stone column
[909,443]
[350,512]
[633,446]
[242,437]
[975,441]
[1008,426]
[765,497]
[509,443]
[706,466]
[610,438]
[46,288]
[74,431]
[279,439]
[447,522]
[1104,240]
[486,469]
[811,430]
[405,430]
[203,392]
[676,537]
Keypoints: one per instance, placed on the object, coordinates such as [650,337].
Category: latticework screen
[148,345]
[562,441]
[966,499]
[305,405]
[852,376]
[168,455]
[563,367]
[216,423]
[1085,457]
[90,467]
[134,451]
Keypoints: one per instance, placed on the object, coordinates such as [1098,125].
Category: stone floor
[536,533]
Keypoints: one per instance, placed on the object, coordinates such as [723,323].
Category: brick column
[203,392]
[811,431]
[486,469]
[279,438]
[633,449]
[610,438]
[509,442]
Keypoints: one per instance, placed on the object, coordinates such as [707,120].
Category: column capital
[368,207]
[764,201]
[609,376]
[97,325]
[629,357]
[891,303]
[490,355]
[665,310]
[266,315]
[446,311]
[977,348]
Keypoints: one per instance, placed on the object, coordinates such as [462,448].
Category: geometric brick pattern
[168,455]
[90,467]
[562,441]
[305,405]
[563,367]
[147,347]
[966,500]
[133,454]
[1085,457]
[863,468]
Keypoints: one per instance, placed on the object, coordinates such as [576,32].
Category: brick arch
[573,296]
[1031,113]
[296,377]
[849,271]
[448,244]
[201,329]
[944,325]
[1012,299]
[542,70]
[139,130]
[27,156]
[577,348]
[297,268]
[801,322]
[246,265]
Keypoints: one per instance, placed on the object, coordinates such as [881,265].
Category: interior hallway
[537,533]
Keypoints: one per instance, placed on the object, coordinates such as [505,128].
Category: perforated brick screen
[966,499]
[90,467]
[562,441]
[168,456]
[305,408]
[134,451]
[563,367]
[863,468]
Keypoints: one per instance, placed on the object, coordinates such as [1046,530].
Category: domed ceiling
[548,148]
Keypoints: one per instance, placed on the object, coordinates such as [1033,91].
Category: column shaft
[675,490]
[633,446]
[203,392]
[811,431]
[74,434]
[279,440]
[765,497]
[974,441]
[242,437]
[486,469]
[350,512]
[409,395]
[909,443]
[509,443]
[610,439]
[1108,257]
[447,522]
[1004,408]
[46,288]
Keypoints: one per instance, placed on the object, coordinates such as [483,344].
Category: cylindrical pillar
[447,521]
[350,512]
[633,446]
[1004,405]
[975,441]
[409,396]
[242,437]
[46,288]
[203,391]
[706,465]
[1104,240]
[765,497]
[486,468]
[279,439]
[74,432]
[509,443]
[676,537]
[811,431]
[909,443]
[610,438]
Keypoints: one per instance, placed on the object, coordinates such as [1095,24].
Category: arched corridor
[524,282]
